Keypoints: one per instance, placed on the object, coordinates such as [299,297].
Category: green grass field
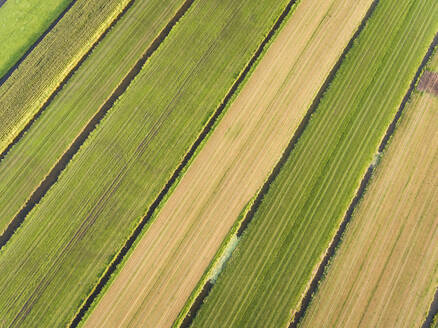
[30,160]
[37,77]
[265,279]
[21,24]
[53,261]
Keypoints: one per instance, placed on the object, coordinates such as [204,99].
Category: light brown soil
[173,254]
[429,82]
[386,269]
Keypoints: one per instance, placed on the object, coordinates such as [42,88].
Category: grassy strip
[73,234]
[29,170]
[46,67]
[23,22]
[303,208]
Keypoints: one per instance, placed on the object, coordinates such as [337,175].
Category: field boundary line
[337,239]
[61,85]
[257,200]
[64,160]
[177,174]
[37,41]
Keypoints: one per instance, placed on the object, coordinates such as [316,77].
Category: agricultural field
[102,194]
[208,199]
[25,92]
[385,271]
[83,98]
[221,163]
[269,271]
[21,24]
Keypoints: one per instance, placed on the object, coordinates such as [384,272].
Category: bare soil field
[178,246]
[429,82]
[385,272]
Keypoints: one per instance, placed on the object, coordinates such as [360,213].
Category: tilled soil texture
[429,82]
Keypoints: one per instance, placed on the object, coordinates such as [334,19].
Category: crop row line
[42,36]
[62,84]
[331,250]
[62,163]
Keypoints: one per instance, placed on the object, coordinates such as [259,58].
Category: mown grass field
[26,90]
[385,271]
[173,253]
[56,257]
[21,24]
[263,282]
[31,159]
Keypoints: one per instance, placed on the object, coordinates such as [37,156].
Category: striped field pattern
[266,276]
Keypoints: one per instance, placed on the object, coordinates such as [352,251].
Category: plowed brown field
[173,254]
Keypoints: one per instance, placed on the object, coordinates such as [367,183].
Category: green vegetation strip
[56,257]
[33,164]
[51,62]
[264,281]
[22,23]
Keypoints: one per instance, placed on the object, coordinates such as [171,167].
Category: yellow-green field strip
[23,25]
[269,272]
[67,241]
[34,163]
[29,89]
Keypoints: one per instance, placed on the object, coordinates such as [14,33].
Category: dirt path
[386,267]
[171,257]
